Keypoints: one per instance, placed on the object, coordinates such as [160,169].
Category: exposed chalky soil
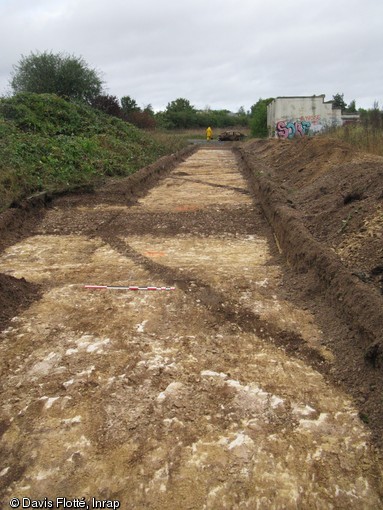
[172,399]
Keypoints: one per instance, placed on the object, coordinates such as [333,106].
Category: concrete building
[289,117]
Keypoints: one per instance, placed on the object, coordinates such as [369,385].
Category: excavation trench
[172,399]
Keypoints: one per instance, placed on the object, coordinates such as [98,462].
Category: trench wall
[17,216]
[360,305]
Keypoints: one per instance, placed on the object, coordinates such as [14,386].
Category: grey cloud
[222,53]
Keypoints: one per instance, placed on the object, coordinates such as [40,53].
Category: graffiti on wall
[290,129]
[311,118]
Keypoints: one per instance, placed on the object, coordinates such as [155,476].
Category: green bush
[65,75]
[258,122]
[107,104]
[47,143]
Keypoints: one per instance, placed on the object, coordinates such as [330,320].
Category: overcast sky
[217,53]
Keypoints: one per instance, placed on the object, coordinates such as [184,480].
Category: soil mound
[324,201]
[15,295]
[339,193]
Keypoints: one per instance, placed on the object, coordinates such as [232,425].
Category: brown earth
[339,192]
[17,222]
[334,192]
[15,295]
[230,392]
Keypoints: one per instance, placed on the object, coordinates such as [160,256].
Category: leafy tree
[180,105]
[339,102]
[107,104]
[131,112]
[129,105]
[351,108]
[371,118]
[242,118]
[149,109]
[180,114]
[62,74]
[258,122]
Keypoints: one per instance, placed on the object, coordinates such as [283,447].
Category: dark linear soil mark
[301,289]
[240,221]
[199,181]
[223,309]
[349,369]
[24,218]
[18,222]
[207,222]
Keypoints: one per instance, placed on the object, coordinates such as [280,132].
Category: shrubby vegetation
[72,78]
[258,123]
[49,73]
[48,143]
[127,110]
[61,130]
[180,114]
[365,135]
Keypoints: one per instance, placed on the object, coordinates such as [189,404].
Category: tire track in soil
[169,400]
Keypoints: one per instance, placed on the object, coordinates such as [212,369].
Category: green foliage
[149,109]
[258,122]
[374,118]
[65,75]
[221,119]
[107,104]
[179,114]
[242,118]
[129,105]
[351,108]
[143,119]
[48,143]
[339,102]
[180,105]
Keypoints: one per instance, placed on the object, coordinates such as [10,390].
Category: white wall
[289,117]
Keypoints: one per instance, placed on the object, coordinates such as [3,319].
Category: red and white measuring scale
[130,287]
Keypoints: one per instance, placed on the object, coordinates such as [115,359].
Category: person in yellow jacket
[209,133]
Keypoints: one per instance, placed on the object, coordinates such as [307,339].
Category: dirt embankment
[338,193]
[324,188]
[324,201]
[16,294]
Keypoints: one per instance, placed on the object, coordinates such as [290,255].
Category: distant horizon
[213,53]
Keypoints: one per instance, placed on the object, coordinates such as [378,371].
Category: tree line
[71,77]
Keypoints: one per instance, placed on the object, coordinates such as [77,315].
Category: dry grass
[366,139]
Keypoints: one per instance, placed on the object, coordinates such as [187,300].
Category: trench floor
[171,399]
